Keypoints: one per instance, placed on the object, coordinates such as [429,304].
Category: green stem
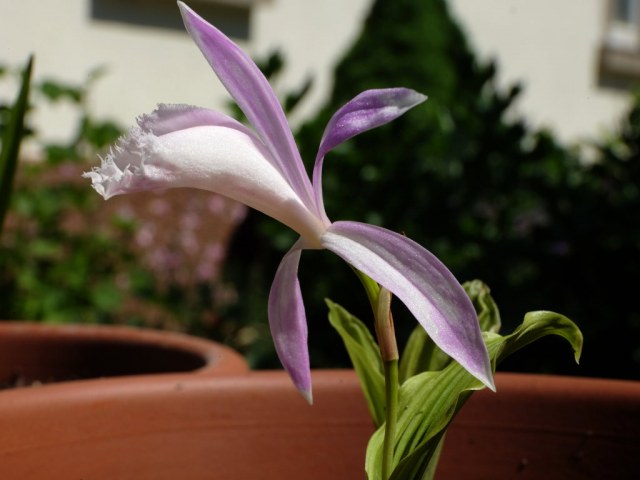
[380,299]
[391,413]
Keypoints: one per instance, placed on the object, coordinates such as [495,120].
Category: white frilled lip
[183,146]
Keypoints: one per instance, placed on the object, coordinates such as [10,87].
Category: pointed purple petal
[366,111]
[253,94]
[422,283]
[288,321]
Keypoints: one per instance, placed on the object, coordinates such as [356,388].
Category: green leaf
[11,141]
[429,401]
[45,249]
[365,357]
[486,308]
[535,326]
[106,296]
[430,471]
[421,354]
[371,288]
[55,91]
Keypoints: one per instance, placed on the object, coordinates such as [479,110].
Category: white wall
[149,65]
[315,34]
[551,46]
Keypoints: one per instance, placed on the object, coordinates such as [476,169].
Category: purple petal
[422,283]
[168,118]
[253,94]
[288,321]
[368,110]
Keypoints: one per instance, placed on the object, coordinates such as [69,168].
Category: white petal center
[214,158]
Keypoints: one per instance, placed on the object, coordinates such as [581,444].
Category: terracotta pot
[32,353]
[546,427]
[201,415]
[211,419]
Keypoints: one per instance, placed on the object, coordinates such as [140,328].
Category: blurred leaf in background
[11,133]
[68,256]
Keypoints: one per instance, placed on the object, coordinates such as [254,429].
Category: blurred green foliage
[491,197]
[50,268]
[66,256]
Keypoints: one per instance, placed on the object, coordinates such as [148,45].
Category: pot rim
[217,360]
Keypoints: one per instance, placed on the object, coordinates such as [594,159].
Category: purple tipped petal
[288,321]
[366,111]
[253,94]
[422,283]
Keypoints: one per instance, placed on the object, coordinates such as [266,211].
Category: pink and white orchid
[184,146]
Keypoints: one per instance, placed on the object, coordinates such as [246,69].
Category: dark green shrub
[492,198]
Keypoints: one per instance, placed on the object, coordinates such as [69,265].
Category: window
[624,11]
[622,28]
[620,52]
[231,16]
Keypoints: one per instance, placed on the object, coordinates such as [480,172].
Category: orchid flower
[184,146]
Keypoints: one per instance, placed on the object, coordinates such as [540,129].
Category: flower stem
[385,332]
[391,413]
[380,299]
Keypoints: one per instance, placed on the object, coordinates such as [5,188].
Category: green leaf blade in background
[11,141]
[421,354]
[365,357]
[486,308]
[536,325]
